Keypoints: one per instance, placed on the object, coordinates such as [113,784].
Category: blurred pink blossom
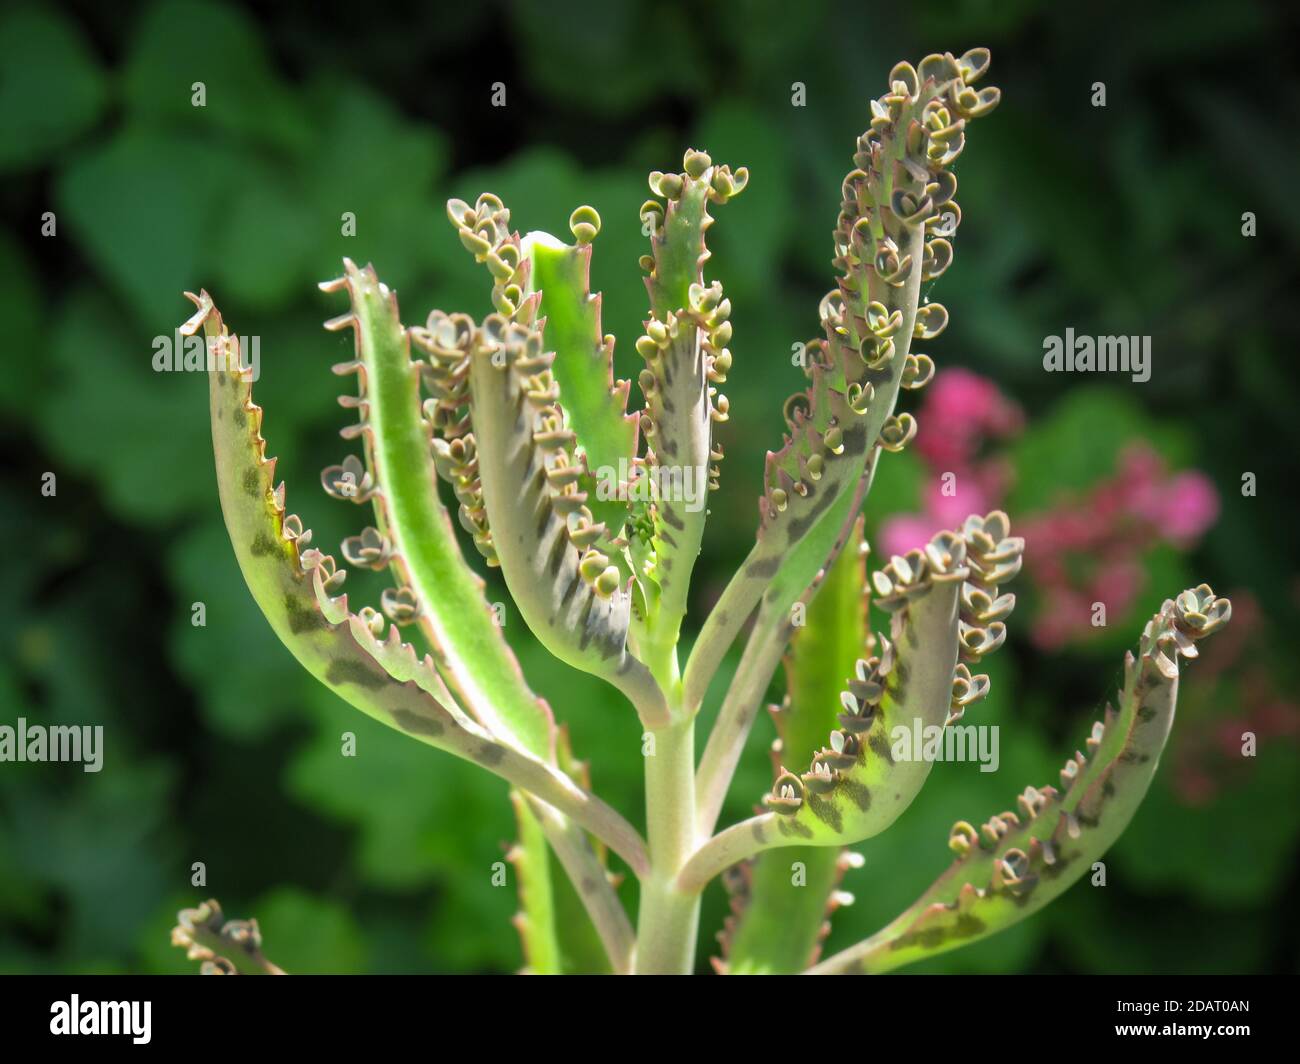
[1189,506]
[904,532]
[960,412]
[1083,550]
[961,409]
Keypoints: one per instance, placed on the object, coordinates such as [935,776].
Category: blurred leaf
[25,378]
[249,683]
[183,42]
[578,53]
[1110,931]
[265,244]
[51,87]
[142,436]
[94,843]
[307,935]
[423,817]
[1232,852]
[748,235]
[493,948]
[369,161]
[144,207]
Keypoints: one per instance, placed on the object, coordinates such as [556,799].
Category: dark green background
[1119,220]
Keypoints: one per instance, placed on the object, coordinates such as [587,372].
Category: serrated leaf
[780,919]
[454,613]
[573,601]
[536,919]
[385,679]
[1021,860]
[594,400]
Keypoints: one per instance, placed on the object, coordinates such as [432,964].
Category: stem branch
[669,917]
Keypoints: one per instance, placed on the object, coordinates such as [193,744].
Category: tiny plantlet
[590,512]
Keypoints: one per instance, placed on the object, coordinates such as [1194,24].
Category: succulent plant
[595,514]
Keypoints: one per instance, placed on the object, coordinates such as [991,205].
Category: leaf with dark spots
[490,754]
[826,812]
[417,723]
[303,614]
[262,546]
[341,671]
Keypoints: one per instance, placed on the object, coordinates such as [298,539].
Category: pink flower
[950,510]
[959,411]
[1179,508]
[1191,505]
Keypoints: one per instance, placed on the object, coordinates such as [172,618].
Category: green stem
[669,917]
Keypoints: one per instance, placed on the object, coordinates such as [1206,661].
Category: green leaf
[539,281]
[686,355]
[884,250]
[945,603]
[581,951]
[454,613]
[912,683]
[823,652]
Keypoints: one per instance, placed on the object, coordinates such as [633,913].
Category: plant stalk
[669,918]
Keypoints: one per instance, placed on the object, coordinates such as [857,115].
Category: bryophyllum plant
[587,509]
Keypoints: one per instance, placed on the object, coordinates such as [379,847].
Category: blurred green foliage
[1116,220]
